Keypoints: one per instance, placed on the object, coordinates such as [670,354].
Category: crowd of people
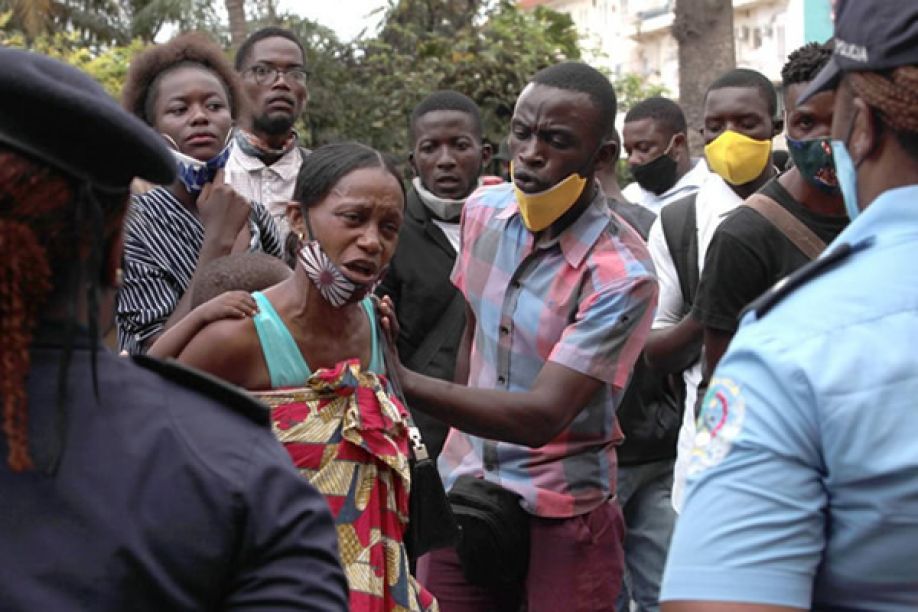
[693,393]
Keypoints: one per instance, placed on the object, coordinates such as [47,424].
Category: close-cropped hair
[577,76]
[747,78]
[245,49]
[804,64]
[247,272]
[446,100]
[663,111]
[325,166]
[193,49]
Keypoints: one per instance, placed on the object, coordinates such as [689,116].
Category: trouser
[575,564]
[644,492]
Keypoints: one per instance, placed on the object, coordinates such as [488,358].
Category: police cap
[61,116]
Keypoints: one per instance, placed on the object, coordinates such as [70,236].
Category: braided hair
[44,244]
[894,97]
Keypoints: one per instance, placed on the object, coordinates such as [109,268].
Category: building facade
[635,36]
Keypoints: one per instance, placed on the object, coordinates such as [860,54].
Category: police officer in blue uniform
[803,491]
[124,485]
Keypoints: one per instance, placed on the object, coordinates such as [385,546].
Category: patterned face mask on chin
[332,284]
[194,173]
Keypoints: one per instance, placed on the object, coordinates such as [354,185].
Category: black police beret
[57,114]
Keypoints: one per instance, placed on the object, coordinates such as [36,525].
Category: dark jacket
[171,494]
[418,283]
[650,413]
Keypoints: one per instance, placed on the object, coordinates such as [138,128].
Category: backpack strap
[681,234]
[802,237]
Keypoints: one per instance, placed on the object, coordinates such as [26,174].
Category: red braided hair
[33,215]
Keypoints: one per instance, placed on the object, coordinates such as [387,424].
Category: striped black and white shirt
[162,240]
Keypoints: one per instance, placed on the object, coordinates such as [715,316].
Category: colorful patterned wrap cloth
[349,438]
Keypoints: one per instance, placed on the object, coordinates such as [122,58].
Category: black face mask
[657,175]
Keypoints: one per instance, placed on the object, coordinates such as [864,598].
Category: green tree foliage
[487,51]
[632,88]
[108,67]
[98,24]
[359,90]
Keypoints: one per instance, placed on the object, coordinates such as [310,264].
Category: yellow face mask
[737,158]
[539,210]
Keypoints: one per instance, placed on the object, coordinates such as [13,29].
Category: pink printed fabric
[583,300]
[349,438]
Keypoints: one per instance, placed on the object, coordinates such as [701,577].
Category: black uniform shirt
[168,496]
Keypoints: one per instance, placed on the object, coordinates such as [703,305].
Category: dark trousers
[575,564]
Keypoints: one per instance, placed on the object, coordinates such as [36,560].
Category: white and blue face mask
[333,285]
[194,173]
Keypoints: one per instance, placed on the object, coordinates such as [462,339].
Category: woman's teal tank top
[286,364]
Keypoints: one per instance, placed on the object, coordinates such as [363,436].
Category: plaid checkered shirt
[585,300]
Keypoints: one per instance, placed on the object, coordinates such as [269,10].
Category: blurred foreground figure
[125,485]
[802,487]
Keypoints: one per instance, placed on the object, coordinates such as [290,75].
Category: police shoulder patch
[720,422]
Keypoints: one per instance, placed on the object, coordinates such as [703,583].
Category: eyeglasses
[263,74]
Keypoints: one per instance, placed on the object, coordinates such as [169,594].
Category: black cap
[55,113]
[870,36]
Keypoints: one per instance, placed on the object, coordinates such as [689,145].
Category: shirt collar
[286,167]
[578,238]
[892,213]
[693,178]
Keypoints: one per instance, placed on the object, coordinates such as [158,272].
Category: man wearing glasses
[266,155]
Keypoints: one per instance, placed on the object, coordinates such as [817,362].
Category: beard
[273,125]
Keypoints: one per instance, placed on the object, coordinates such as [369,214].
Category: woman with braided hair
[124,484]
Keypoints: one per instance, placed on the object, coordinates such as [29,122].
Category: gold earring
[300,236]
[119,277]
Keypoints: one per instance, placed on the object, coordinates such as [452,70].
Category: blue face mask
[846,173]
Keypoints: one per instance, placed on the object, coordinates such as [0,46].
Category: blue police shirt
[803,486]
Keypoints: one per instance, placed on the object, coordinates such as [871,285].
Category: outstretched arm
[599,348]
[530,418]
[229,305]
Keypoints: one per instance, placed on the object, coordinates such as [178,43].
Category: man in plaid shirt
[560,293]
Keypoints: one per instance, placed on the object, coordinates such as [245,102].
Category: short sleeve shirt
[748,255]
[271,185]
[803,482]
[584,300]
